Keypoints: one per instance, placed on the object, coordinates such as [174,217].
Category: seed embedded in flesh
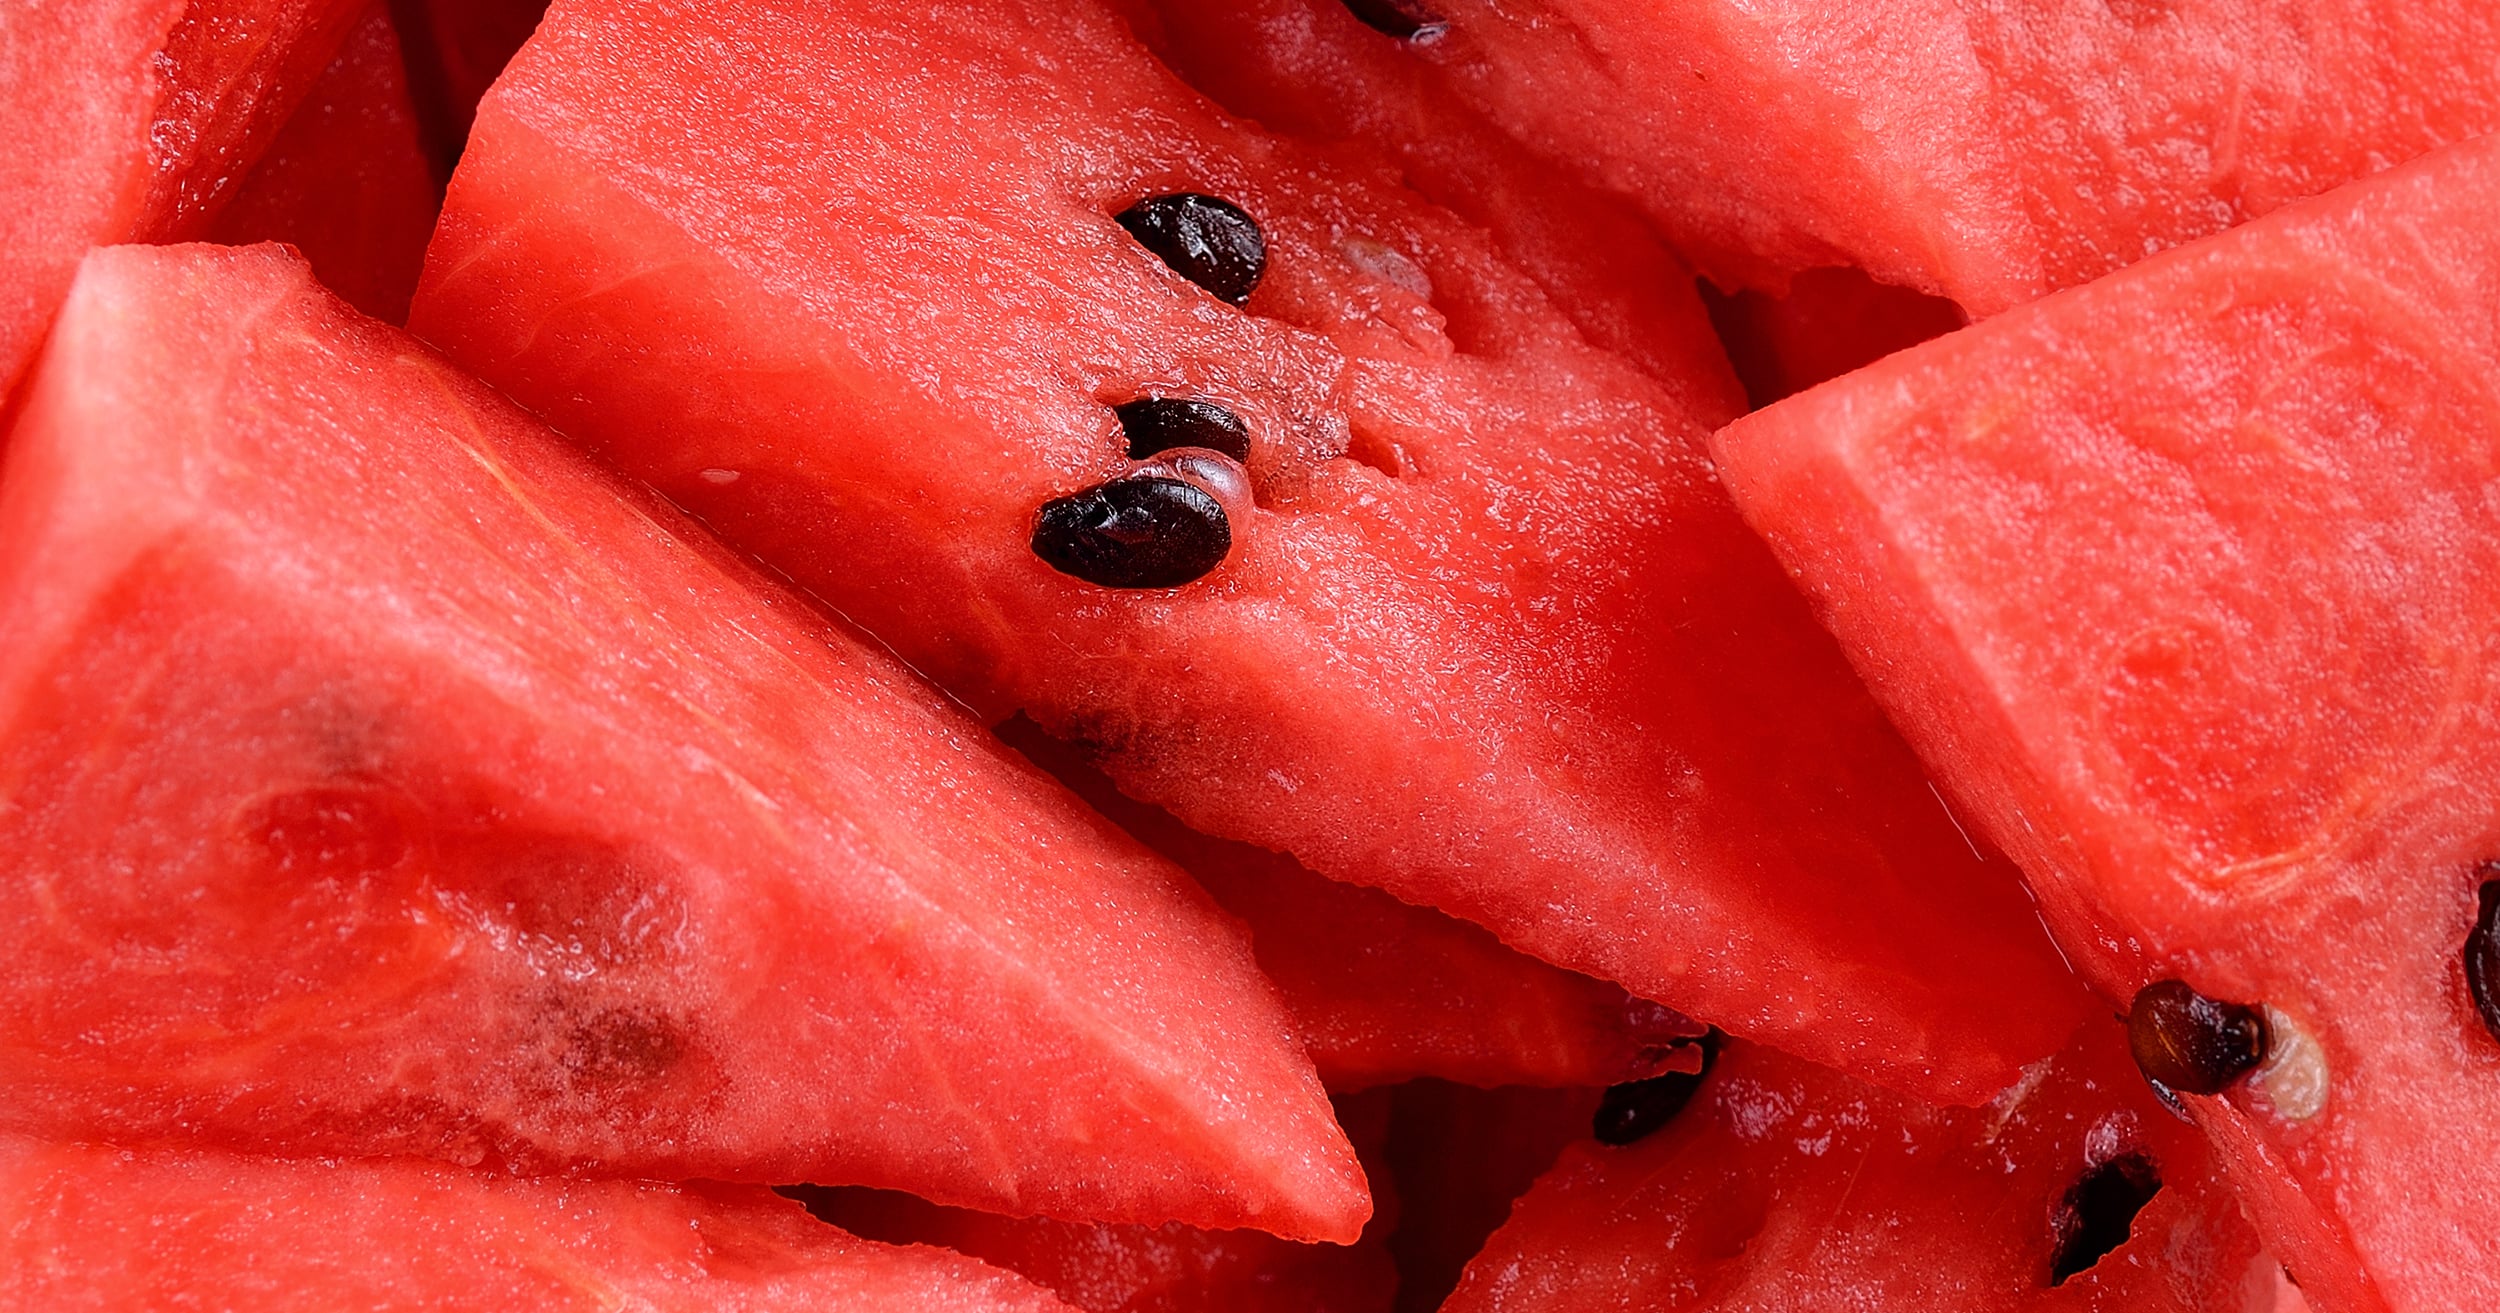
[2099,1211]
[1206,239]
[2482,952]
[2191,1044]
[1147,532]
[1406,20]
[1155,425]
[1636,1110]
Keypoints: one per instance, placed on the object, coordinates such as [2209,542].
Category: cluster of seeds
[1165,521]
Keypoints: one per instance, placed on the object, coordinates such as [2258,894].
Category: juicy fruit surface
[1383,991]
[508,826]
[1161,1269]
[1786,1187]
[346,181]
[1490,641]
[455,50]
[2253,483]
[135,120]
[90,1228]
[1984,150]
[1313,69]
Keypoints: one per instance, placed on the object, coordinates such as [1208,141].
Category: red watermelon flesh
[1163,1269]
[1311,69]
[1828,322]
[424,793]
[84,1227]
[347,182]
[1458,1157]
[2185,583]
[1384,991]
[1787,1187]
[1987,152]
[132,120]
[1490,640]
[455,50]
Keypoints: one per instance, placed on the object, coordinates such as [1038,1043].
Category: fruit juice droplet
[1206,239]
[2482,952]
[2098,1212]
[1158,424]
[2192,1044]
[1635,1110]
[1149,532]
[1404,19]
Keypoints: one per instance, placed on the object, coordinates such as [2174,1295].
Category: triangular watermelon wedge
[1783,1186]
[2186,581]
[134,120]
[381,778]
[1987,152]
[1486,636]
[90,1227]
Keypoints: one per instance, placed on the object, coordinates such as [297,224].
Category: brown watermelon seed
[1158,424]
[1206,239]
[1407,20]
[2099,1211]
[1636,1110]
[2482,951]
[1147,532]
[2192,1044]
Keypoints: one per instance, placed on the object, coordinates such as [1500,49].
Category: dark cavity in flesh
[1206,239]
[1145,532]
[1636,1110]
[2098,1212]
[1159,424]
[1407,20]
[2191,1044]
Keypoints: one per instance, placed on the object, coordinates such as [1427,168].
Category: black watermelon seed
[1158,424]
[1404,19]
[2187,1042]
[2099,1211]
[2482,952]
[1638,1109]
[1208,240]
[1149,532]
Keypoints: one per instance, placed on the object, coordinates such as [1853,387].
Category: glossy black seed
[1637,1109]
[2482,952]
[2099,1211]
[1406,20]
[1149,532]
[1208,240]
[1158,424]
[2192,1044]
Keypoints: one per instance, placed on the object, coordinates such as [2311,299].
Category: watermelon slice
[347,182]
[1785,1186]
[2185,582]
[1312,69]
[1163,1269]
[1829,321]
[382,780]
[1383,991]
[1984,152]
[1484,633]
[90,1228]
[134,120]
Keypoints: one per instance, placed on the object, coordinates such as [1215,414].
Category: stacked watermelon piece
[1137,656]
